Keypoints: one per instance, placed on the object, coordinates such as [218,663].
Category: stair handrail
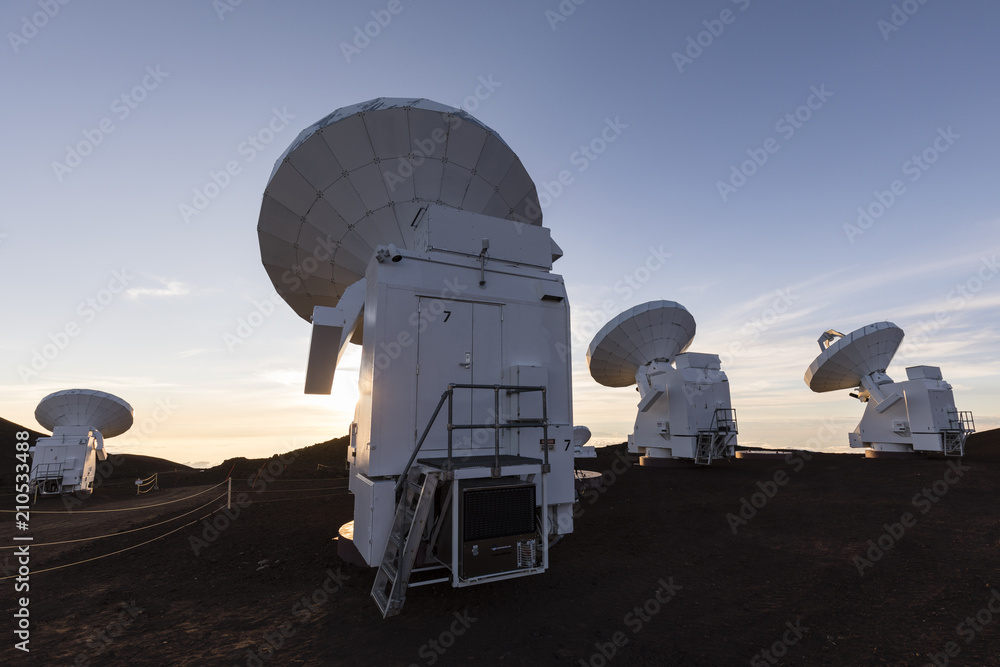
[496,425]
[416,450]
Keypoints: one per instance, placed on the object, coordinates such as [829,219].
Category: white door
[457,342]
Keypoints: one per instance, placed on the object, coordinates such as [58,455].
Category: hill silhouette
[8,452]
[320,461]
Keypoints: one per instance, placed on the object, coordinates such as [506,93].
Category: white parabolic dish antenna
[656,330]
[848,359]
[357,179]
[85,408]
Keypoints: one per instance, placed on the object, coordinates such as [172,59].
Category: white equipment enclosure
[80,421]
[412,229]
[685,411]
[917,416]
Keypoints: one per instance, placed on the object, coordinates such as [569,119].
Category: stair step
[390,569]
[381,600]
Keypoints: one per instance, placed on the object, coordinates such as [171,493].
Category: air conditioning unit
[497,529]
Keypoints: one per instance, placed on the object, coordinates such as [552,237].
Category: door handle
[468,361]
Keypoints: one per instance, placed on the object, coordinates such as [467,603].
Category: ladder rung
[427,582]
[390,569]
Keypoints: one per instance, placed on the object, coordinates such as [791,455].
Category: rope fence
[124,509]
[227,495]
[114,553]
[147,485]
[123,532]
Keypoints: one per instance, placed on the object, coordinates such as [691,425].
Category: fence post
[229,494]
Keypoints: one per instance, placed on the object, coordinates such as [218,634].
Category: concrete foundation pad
[876,454]
[346,548]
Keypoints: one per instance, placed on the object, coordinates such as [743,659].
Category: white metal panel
[444,228]
[494,161]
[487,363]
[371,189]
[347,201]
[454,183]
[349,141]
[466,144]
[278,222]
[316,162]
[322,224]
[445,355]
[923,373]
[516,184]
[427,180]
[373,500]
[389,132]
[397,174]
[478,194]
[497,207]
[292,191]
[351,247]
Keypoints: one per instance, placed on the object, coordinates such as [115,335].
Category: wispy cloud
[170,288]
[287,377]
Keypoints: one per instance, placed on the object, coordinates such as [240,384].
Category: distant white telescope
[685,411]
[80,421]
[901,418]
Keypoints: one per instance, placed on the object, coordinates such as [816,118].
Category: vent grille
[498,512]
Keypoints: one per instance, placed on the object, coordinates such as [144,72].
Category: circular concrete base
[877,454]
[587,479]
[346,548]
[659,462]
[762,454]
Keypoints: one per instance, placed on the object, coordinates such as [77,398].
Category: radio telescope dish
[845,360]
[656,330]
[357,178]
[87,408]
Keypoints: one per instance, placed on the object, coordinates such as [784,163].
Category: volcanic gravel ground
[662,569]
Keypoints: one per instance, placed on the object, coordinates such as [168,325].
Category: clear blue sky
[759,251]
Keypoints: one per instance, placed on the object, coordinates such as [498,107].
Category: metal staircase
[412,511]
[415,506]
[48,472]
[961,425]
[713,442]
